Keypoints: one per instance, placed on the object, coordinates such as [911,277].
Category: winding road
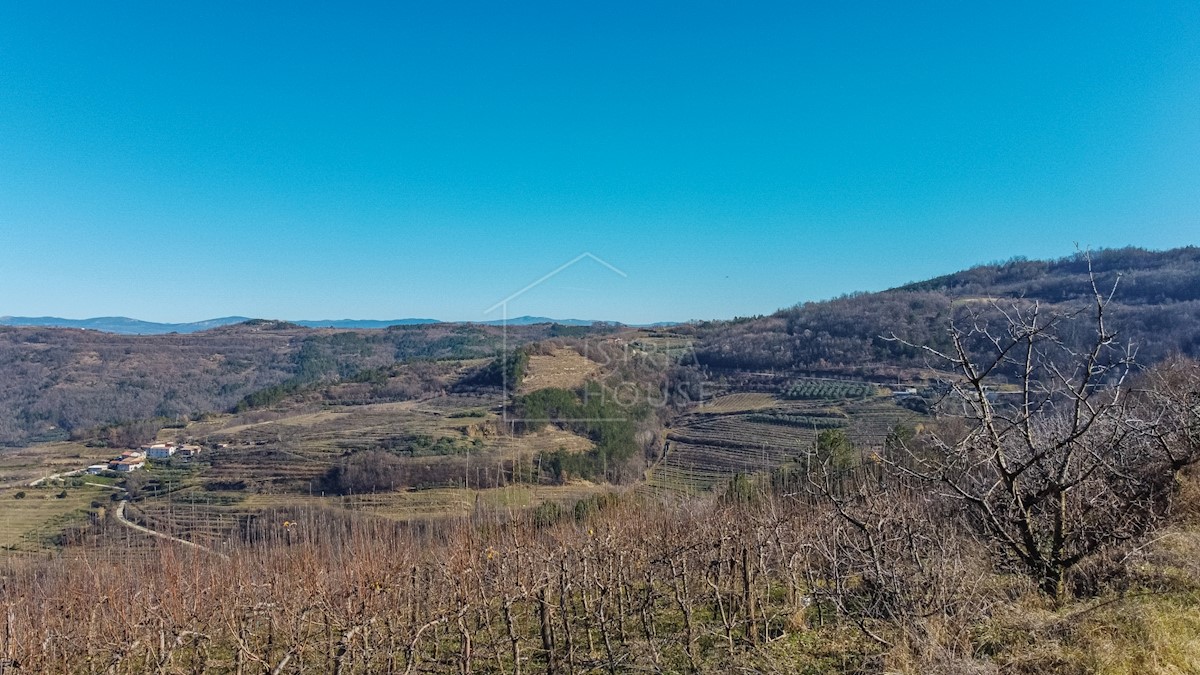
[56,476]
[120,515]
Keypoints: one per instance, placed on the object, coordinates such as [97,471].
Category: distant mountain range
[126,326]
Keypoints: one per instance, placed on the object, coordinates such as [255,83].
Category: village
[132,460]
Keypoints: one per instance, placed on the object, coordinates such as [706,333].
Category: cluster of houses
[132,460]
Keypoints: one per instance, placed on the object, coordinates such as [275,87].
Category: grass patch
[743,402]
[27,524]
[1141,634]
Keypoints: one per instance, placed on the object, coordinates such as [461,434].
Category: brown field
[437,502]
[216,519]
[679,585]
[279,457]
[739,403]
[19,466]
[564,369]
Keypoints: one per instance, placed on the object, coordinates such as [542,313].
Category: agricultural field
[826,390]
[563,369]
[450,454]
[32,523]
[190,516]
[19,466]
[216,519]
[667,343]
[460,405]
[740,402]
[425,441]
[705,450]
[445,435]
[32,518]
[693,468]
[283,456]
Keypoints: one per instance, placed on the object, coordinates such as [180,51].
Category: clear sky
[176,161]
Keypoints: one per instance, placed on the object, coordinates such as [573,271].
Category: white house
[160,450]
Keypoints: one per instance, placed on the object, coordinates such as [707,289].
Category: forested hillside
[1156,307]
[1146,277]
[55,381]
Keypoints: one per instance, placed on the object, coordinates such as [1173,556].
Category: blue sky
[180,161]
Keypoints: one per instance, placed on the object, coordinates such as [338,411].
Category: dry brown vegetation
[756,433]
[562,368]
[373,516]
[855,567]
[759,582]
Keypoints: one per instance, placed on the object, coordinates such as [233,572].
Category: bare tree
[1061,458]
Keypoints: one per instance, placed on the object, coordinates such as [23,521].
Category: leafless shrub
[1074,461]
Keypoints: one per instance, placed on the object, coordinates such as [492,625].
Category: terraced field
[739,431]
[692,468]
[298,449]
[294,452]
[225,515]
[32,522]
[452,502]
[666,343]
[18,466]
[282,459]
[741,402]
[339,430]
[705,450]
[458,403]
[871,420]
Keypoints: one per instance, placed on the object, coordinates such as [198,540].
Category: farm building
[159,450]
[127,464]
[97,469]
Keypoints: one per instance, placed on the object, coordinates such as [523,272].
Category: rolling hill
[1156,306]
[126,326]
[54,381]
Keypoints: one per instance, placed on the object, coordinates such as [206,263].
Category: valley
[449,451]
[790,493]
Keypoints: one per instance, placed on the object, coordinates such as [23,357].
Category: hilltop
[1156,307]
[122,325]
[1146,277]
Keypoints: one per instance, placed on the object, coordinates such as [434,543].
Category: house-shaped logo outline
[503,307]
